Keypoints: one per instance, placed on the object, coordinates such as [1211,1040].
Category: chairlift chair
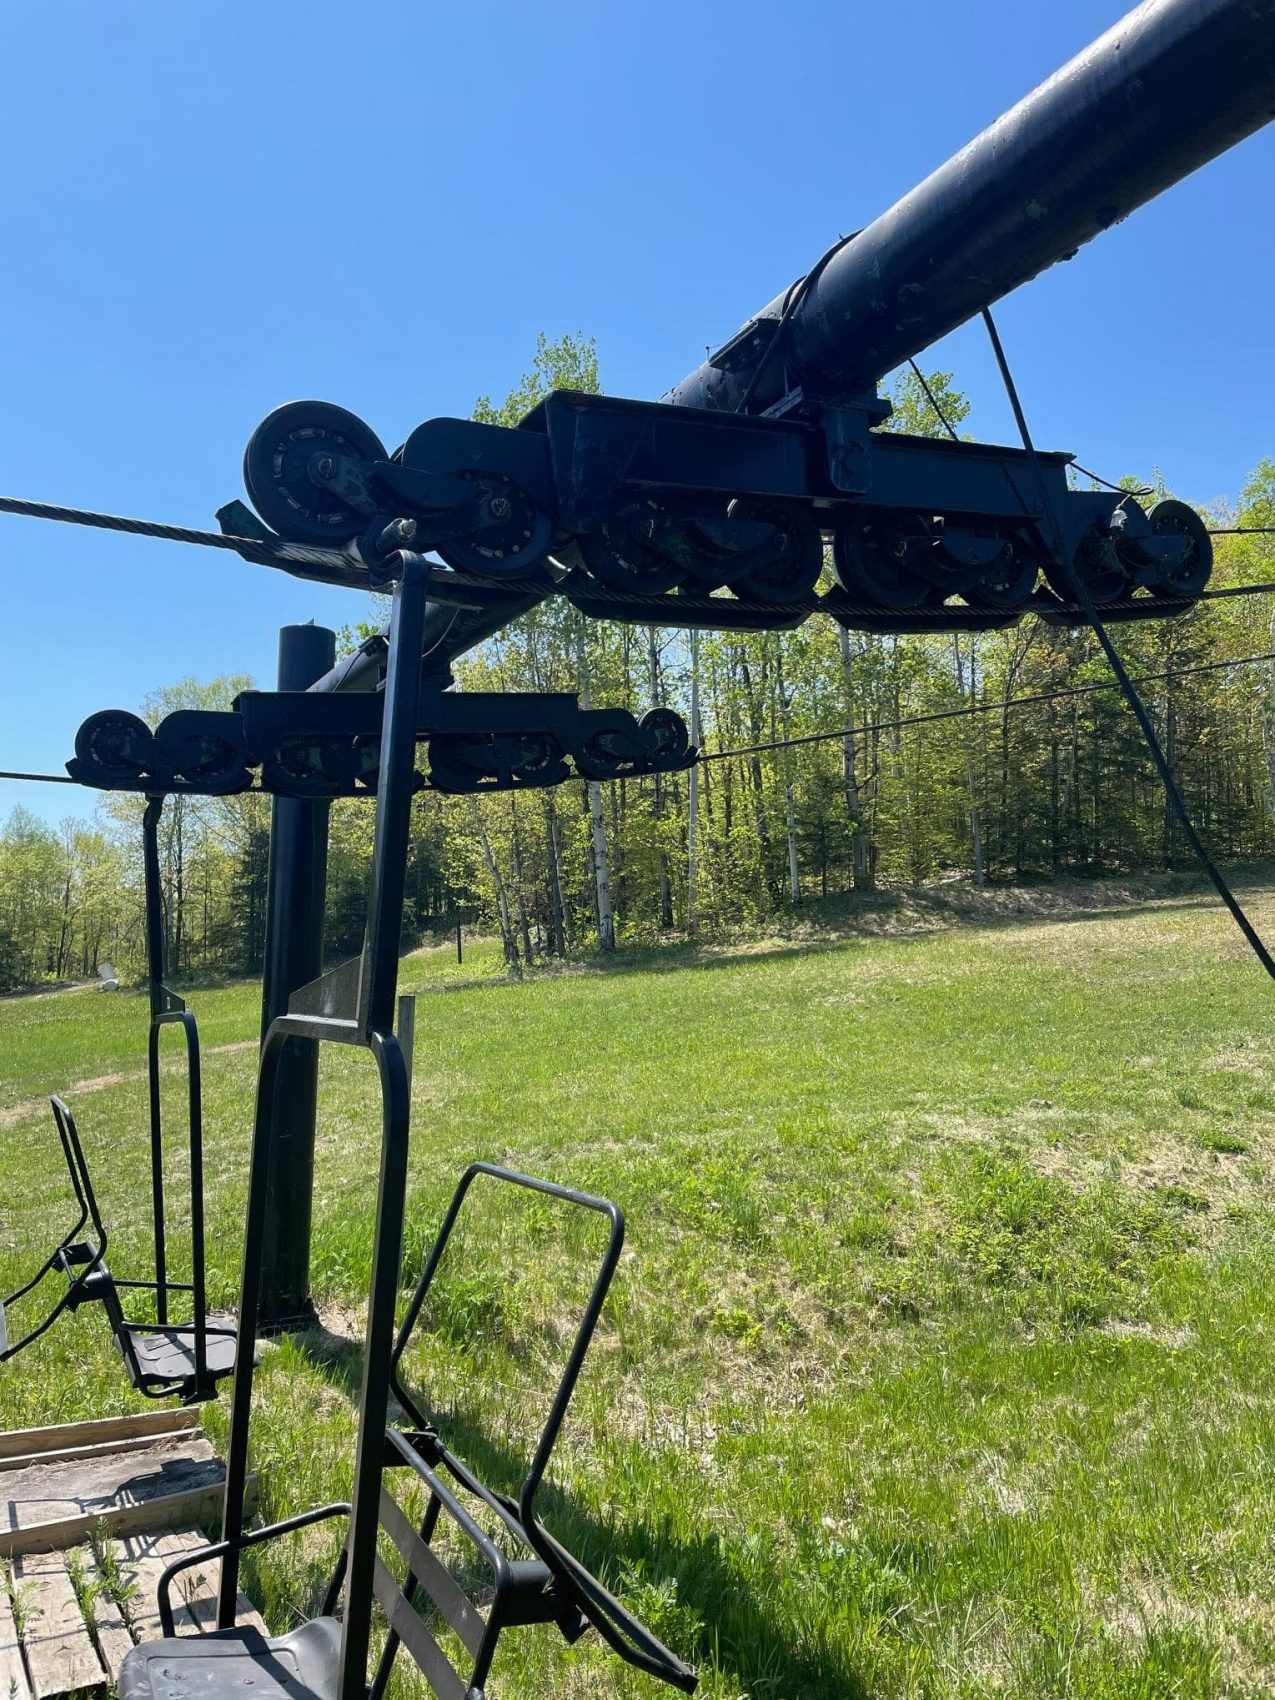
[326,1658]
[163,1359]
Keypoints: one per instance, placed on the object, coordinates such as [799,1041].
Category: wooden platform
[90,1515]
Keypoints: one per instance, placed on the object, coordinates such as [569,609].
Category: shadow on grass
[723,1599]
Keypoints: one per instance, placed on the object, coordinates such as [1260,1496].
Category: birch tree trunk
[860,846]
[657,784]
[976,827]
[557,920]
[1268,725]
[692,807]
[784,702]
[756,730]
[520,885]
[597,819]
[507,938]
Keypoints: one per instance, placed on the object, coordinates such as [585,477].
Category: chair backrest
[426,1572]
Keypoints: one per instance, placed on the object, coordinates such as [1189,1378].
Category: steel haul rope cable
[1035,699]
[288,555]
[999,706]
[336,565]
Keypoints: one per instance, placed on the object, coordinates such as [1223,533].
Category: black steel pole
[295,892]
[155,988]
[449,632]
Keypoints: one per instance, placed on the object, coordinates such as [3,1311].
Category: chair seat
[224,1664]
[168,1355]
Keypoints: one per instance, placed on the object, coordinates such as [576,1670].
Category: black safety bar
[74,1290]
[622,1632]
[255,1537]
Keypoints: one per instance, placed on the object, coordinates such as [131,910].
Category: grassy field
[940,1360]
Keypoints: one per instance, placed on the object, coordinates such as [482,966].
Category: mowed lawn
[940,1361]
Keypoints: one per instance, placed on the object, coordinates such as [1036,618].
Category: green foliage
[1080,1258]
[917,414]
[571,363]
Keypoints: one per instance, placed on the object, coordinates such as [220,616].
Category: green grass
[940,1358]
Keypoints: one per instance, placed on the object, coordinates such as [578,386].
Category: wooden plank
[142,1569]
[54,1492]
[21,1441]
[88,1454]
[107,1627]
[194,1592]
[165,1511]
[13,1673]
[59,1650]
[198,1586]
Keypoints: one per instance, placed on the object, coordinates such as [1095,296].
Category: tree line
[890,794]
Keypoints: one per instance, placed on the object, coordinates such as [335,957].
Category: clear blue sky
[213,206]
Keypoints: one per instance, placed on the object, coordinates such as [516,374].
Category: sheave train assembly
[713,506]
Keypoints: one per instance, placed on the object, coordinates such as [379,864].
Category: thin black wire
[1170,784]
[1106,483]
[65,779]
[1035,698]
[1242,531]
[1081,592]
[929,396]
[796,295]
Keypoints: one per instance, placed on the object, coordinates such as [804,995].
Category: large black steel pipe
[1168,88]
[449,631]
[296,886]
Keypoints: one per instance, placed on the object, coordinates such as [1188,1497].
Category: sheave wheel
[276,471]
